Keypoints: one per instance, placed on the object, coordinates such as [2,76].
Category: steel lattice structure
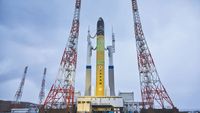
[42,92]
[61,94]
[152,90]
[19,92]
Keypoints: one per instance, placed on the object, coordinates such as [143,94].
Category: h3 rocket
[100,63]
[100,60]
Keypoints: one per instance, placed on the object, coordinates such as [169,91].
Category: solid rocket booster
[88,80]
[111,50]
[88,67]
[100,58]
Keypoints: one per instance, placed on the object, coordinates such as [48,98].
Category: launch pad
[99,104]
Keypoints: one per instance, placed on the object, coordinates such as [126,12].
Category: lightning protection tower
[42,90]
[19,92]
[61,94]
[152,90]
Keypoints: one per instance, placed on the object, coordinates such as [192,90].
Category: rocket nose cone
[100,19]
[100,26]
[100,22]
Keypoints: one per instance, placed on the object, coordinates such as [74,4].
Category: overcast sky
[34,33]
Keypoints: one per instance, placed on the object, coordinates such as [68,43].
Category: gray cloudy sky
[34,33]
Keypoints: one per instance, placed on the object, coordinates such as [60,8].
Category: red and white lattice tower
[42,90]
[61,94]
[152,90]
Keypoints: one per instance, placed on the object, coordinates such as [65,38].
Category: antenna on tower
[19,92]
[42,90]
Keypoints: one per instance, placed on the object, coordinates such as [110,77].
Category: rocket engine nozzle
[100,26]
